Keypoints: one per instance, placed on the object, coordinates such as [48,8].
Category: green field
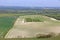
[6,23]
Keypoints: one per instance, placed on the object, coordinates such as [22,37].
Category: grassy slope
[51,23]
[6,22]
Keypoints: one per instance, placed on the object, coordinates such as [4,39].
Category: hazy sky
[31,3]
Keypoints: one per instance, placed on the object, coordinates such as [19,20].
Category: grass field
[54,38]
[22,28]
[7,21]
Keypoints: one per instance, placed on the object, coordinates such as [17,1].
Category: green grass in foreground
[6,23]
[53,38]
[24,39]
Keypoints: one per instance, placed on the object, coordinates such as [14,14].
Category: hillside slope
[23,29]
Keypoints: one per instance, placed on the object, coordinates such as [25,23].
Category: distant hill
[25,8]
[47,11]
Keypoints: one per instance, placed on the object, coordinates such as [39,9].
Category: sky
[31,3]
